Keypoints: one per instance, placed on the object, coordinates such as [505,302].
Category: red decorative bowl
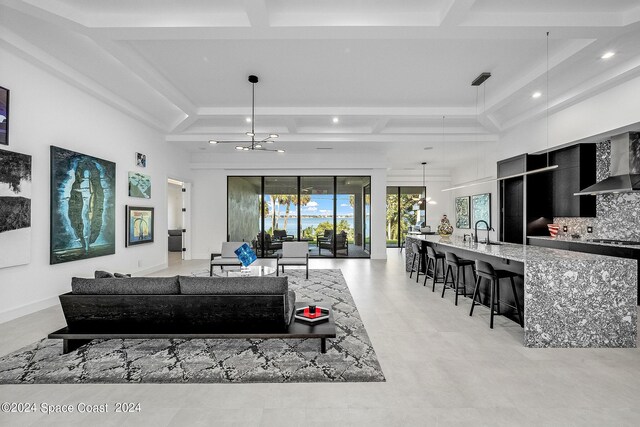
[553,229]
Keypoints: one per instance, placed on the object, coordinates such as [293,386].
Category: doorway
[175,221]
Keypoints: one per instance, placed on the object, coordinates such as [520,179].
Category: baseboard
[151,270]
[30,308]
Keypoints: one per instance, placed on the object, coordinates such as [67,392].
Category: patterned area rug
[350,357]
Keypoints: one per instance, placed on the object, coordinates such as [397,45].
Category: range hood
[624,170]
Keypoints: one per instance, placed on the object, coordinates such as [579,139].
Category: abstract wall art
[139,185]
[462,212]
[141,160]
[15,208]
[481,209]
[139,225]
[4,116]
[83,193]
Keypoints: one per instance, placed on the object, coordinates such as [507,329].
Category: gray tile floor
[442,368]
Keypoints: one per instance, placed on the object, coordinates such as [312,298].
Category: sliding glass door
[405,211]
[331,213]
[317,213]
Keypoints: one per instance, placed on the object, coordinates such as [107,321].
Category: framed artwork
[481,209]
[83,194]
[15,209]
[4,116]
[139,185]
[141,160]
[462,212]
[139,225]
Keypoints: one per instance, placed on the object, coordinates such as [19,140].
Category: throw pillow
[99,274]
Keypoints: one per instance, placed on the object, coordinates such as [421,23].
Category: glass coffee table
[251,271]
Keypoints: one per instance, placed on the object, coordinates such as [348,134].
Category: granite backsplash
[617,215]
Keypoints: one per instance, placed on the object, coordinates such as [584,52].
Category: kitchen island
[570,299]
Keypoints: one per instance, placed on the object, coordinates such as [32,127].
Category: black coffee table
[324,330]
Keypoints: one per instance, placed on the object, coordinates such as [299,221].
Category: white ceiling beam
[380,124]
[350,138]
[257,13]
[601,82]
[429,112]
[455,12]
[59,69]
[508,92]
[148,75]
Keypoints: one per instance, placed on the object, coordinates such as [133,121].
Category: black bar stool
[459,263]
[417,252]
[486,271]
[432,260]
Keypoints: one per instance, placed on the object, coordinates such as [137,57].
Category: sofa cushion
[100,274]
[130,286]
[234,285]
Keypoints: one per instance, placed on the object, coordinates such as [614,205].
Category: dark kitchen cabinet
[576,170]
[525,200]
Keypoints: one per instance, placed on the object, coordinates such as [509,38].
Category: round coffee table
[253,271]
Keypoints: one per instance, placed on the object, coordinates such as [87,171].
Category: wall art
[139,225]
[83,193]
[139,185]
[481,209]
[15,209]
[4,116]
[141,160]
[462,212]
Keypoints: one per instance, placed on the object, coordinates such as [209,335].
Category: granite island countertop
[569,239]
[571,299]
[513,251]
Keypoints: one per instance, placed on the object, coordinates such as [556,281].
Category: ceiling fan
[253,145]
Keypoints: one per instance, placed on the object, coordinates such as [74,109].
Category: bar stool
[459,263]
[417,252]
[432,260]
[486,271]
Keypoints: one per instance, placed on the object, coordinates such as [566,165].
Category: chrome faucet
[475,227]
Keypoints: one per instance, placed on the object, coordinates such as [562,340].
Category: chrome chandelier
[253,144]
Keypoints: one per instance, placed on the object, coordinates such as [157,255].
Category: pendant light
[531,172]
[252,145]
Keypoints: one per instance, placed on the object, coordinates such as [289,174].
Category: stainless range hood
[624,170]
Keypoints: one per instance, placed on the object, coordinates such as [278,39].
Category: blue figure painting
[82,206]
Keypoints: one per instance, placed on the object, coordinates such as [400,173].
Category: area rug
[350,357]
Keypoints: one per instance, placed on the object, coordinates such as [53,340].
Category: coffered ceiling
[388,70]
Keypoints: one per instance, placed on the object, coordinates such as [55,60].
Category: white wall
[174,206]
[46,111]
[210,201]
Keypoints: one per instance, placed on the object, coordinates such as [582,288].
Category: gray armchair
[293,253]
[342,243]
[227,258]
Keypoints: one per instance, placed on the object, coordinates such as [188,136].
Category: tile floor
[442,367]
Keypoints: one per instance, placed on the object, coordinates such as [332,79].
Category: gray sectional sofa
[175,307]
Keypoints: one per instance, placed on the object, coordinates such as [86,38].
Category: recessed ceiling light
[239,148]
[335,120]
[213,142]
[608,55]
[280,151]
[248,119]
[536,95]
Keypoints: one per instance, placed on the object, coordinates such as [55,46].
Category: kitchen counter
[561,238]
[571,299]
